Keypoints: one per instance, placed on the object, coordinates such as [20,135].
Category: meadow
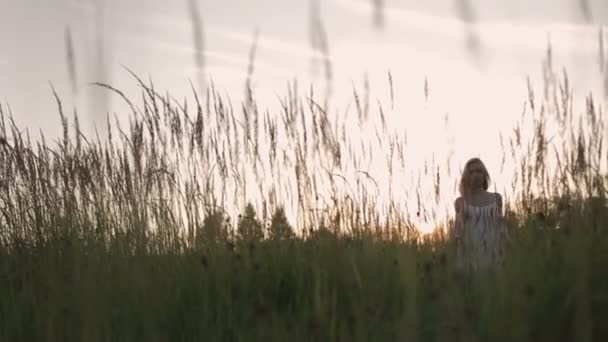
[128,235]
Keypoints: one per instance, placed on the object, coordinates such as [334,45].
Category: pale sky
[421,40]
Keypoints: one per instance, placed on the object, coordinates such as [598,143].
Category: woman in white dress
[479,226]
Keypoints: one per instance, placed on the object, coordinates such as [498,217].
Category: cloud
[495,34]
[265,42]
[217,58]
[267,45]
[214,57]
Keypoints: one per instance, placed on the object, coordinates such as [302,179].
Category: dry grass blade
[198,41]
[319,41]
[120,93]
[379,14]
[585,8]
[602,62]
[313,19]
[250,70]
[466,12]
[71,60]
[101,102]
[392,90]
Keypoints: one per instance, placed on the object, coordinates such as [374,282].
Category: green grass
[552,288]
[127,238]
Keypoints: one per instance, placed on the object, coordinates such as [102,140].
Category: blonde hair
[465,182]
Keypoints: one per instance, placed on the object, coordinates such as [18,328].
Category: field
[127,236]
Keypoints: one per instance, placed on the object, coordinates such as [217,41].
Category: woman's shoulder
[495,198]
[498,198]
[459,203]
[496,195]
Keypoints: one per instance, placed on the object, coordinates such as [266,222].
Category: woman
[479,226]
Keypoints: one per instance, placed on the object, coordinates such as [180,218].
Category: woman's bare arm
[499,204]
[502,222]
[459,231]
[458,222]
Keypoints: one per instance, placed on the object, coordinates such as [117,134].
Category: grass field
[127,237]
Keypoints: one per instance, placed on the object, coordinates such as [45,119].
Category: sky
[481,87]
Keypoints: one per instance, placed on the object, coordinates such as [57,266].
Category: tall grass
[131,236]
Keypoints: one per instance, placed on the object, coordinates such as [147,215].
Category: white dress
[481,236]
